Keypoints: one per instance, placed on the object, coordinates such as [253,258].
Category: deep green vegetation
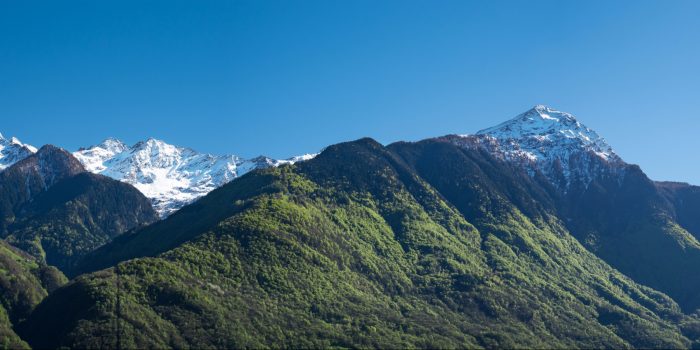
[24,282]
[363,246]
[54,210]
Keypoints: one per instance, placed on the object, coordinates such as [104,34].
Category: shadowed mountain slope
[53,209]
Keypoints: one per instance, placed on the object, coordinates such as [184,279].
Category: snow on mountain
[12,151]
[554,142]
[169,175]
[94,158]
[541,139]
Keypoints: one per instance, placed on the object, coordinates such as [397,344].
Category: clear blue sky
[282,78]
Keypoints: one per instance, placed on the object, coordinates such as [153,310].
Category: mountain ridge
[171,176]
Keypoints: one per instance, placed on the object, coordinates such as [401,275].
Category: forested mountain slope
[412,245]
[644,229]
[24,282]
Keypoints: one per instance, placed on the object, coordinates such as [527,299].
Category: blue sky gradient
[282,78]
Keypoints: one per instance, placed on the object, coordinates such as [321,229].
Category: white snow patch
[12,151]
[170,176]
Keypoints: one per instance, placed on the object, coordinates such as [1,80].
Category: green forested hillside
[24,282]
[363,246]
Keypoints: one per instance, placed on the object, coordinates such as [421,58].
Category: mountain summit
[12,151]
[551,141]
[544,133]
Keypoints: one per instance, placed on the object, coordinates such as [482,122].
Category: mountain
[530,234]
[544,134]
[12,151]
[169,175]
[51,207]
[412,245]
[552,142]
[32,175]
[646,230]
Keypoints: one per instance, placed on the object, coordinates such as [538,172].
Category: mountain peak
[546,109]
[13,141]
[543,130]
[551,114]
[48,148]
[12,151]
[538,119]
[57,157]
[550,140]
[159,148]
[50,164]
[154,141]
[113,144]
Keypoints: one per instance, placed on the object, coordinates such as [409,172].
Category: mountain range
[170,176]
[530,234]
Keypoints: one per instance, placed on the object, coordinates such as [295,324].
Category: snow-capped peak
[550,140]
[542,131]
[94,157]
[171,176]
[16,142]
[113,145]
[12,151]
